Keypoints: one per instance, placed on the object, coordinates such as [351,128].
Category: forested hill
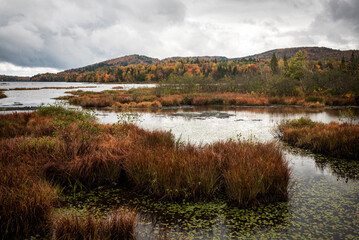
[117,62]
[137,68]
[313,53]
[203,58]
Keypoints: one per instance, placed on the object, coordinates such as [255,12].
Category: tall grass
[248,173]
[333,139]
[2,95]
[69,148]
[26,202]
[19,124]
[118,225]
[253,173]
[150,98]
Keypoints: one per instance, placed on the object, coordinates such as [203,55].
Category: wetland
[323,192]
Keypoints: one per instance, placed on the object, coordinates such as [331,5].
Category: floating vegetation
[319,207]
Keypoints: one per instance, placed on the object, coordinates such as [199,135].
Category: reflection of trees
[341,168]
[279,110]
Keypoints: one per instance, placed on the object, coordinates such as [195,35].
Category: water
[34,98]
[324,193]
[206,125]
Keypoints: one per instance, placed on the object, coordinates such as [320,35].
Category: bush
[314,99]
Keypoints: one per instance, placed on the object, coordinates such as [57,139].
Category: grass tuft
[117,225]
[333,139]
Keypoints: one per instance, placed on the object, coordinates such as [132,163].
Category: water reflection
[209,124]
[324,193]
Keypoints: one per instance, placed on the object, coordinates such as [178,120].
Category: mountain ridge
[313,53]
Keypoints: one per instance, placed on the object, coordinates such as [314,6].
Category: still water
[34,98]
[324,193]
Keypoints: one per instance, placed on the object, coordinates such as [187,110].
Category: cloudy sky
[53,35]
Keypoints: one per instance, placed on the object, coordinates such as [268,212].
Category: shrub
[216,101]
[314,99]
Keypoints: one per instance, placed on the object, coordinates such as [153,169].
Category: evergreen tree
[297,66]
[353,63]
[274,64]
[342,64]
[286,66]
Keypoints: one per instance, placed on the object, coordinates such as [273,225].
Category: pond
[34,98]
[324,192]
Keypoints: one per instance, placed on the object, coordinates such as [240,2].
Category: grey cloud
[346,11]
[336,26]
[66,34]
[49,33]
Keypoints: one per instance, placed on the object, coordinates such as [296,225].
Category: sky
[41,36]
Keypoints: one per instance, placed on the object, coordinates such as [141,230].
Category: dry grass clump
[173,173]
[253,173]
[340,101]
[117,225]
[71,149]
[26,202]
[240,99]
[88,101]
[147,98]
[19,124]
[171,100]
[333,139]
[153,104]
[248,173]
[2,95]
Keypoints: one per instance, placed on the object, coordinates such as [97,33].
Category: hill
[5,78]
[117,62]
[204,58]
[313,53]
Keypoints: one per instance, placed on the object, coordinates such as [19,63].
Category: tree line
[281,77]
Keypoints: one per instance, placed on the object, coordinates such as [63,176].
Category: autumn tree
[342,64]
[297,66]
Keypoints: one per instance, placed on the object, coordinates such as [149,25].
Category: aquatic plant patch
[69,149]
[333,139]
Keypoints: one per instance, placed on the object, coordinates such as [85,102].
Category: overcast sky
[51,35]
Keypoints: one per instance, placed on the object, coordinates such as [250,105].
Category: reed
[333,139]
[248,173]
[89,101]
[2,95]
[253,173]
[26,202]
[118,225]
[145,98]
[72,150]
[19,124]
